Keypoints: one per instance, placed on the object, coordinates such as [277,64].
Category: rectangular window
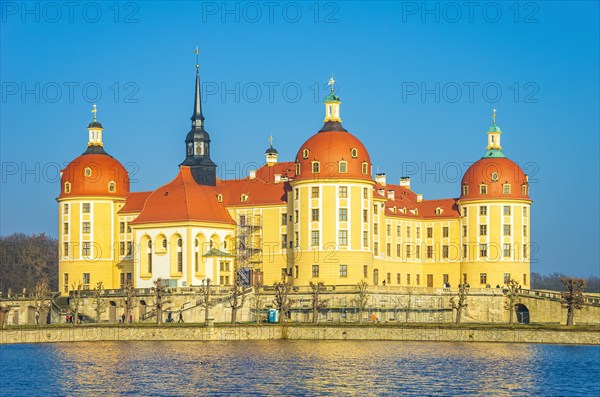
[524,211]
[445,251]
[364,168]
[524,230]
[375,209]
[315,215]
[86,208]
[365,215]
[180,262]
[121,227]
[429,232]
[376,248]
[149,262]
[365,239]
[365,271]
[507,250]
[296,274]
[507,230]
[128,228]
[122,280]
[464,211]
[85,227]
[65,249]
[315,270]
[465,231]
[506,189]
[407,231]
[283,219]
[524,190]
[482,210]
[388,230]
[375,229]
[315,238]
[389,278]
[343,192]
[398,230]
[297,215]
[196,254]
[524,251]
[66,209]
[66,228]
[314,192]
[86,248]
[418,279]
[483,250]
[315,167]
[296,193]
[343,213]
[524,279]
[482,278]
[343,271]
[398,278]
[445,279]
[482,189]
[418,251]
[66,282]
[398,250]
[129,248]
[445,231]
[507,210]
[343,237]
[483,230]
[86,279]
[418,232]
[365,193]
[506,278]
[465,251]
[343,167]
[284,241]
[465,190]
[408,249]
[408,279]
[429,251]
[389,249]
[297,236]
[122,248]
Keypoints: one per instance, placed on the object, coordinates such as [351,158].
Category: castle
[320,217]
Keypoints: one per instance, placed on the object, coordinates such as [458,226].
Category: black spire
[197,143]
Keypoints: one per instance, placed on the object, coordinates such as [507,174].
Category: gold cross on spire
[94,110]
[494,116]
[271,140]
[331,82]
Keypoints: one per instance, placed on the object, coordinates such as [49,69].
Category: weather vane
[271,140]
[94,110]
[331,82]
[494,116]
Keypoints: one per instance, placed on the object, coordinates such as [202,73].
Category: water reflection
[283,368]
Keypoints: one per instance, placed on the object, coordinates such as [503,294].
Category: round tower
[495,218]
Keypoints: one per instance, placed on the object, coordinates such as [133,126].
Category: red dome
[494,173]
[329,148]
[94,174]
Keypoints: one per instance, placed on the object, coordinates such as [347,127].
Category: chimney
[419,198]
[277,178]
[381,192]
[405,182]
[252,174]
[391,194]
[380,178]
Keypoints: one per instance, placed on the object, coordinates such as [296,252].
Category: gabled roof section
[134,202]
[263,189]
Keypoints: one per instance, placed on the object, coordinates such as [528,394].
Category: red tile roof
[135,202]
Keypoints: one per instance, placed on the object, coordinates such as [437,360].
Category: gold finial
[94,110]
[331,82]
[197,65]
[271,140]
[494,116]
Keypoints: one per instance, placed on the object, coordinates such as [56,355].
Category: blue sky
[418,83]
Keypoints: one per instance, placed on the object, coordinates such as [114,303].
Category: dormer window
[343,167]
[244,198]
[305,153]
[316,168]
[482,189]
[220,198]
[465,190]
[112,187]
[438,211]
[354,153]
[523,190]
[87,172]
[365,168]
[68,187]
[297,168]
[506,188]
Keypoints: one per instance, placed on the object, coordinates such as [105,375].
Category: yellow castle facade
[321,217]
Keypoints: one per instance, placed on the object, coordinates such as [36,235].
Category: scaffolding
[249,253]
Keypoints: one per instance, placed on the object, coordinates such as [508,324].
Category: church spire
[197,116]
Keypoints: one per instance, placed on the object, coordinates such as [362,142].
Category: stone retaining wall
[301,332]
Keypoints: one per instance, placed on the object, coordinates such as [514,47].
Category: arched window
[164,243]
[305,153]
[87,172]
[220,198]
[112,187]
[365,168]
[67,187]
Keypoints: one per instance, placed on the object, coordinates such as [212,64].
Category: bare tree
[99,303]
[159,291]
[41,302]
[257,301]
[205,300]
[361,299]
[572,296]
[75,300]
[461,303]
[317,303]
[408,305]
[512,293]
[129,298]
[282,301]
[236,301]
